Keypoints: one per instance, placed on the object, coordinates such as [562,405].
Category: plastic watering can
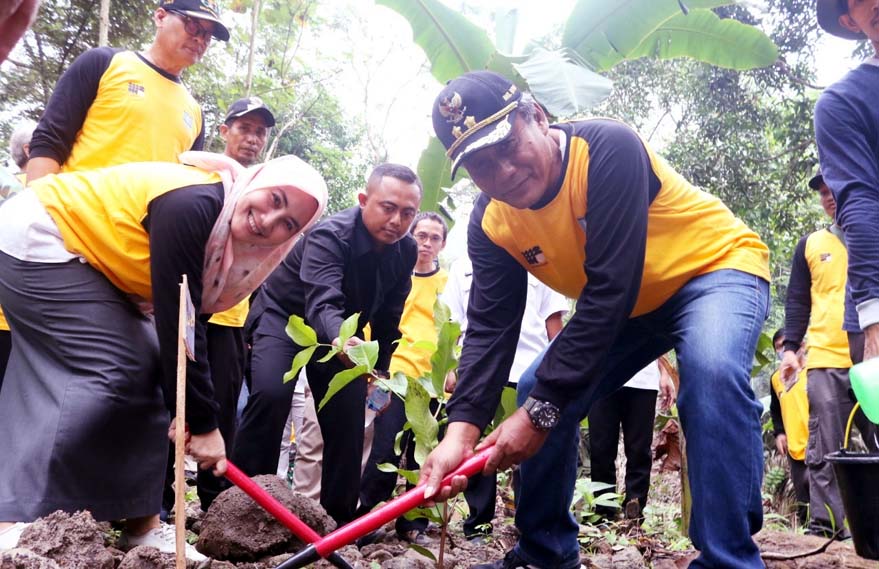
[865,382]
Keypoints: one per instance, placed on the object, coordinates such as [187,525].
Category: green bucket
[865,383]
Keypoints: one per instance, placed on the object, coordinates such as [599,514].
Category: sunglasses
[192,26]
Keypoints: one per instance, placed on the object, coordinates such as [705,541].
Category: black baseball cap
[201,9]
[474,111]
[247,105]
[829,12]
[816,181]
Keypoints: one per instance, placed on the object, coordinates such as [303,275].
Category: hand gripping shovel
[282,514]
[325,547]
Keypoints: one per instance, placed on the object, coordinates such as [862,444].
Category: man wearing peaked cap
[814,307]
[655,264]
[246,129]
[204,10]
[113,106]
[846,126]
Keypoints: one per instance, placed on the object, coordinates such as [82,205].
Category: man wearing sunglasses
[114,106]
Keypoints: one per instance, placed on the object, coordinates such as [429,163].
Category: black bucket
[858,478]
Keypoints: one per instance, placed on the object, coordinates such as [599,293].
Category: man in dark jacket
[359,260]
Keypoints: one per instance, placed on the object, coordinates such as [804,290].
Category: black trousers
[258,443]
[799,476]
[226,354]
[377,486]
[5,348]
[634,410]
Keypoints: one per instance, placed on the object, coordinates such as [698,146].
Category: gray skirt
[83,425]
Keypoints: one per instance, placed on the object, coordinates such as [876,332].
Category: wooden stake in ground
[185,347]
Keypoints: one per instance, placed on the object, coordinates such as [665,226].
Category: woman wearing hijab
[90,266]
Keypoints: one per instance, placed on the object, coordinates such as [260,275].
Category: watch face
[544,415]
[548,416]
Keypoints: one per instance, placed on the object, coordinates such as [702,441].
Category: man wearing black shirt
[359,260]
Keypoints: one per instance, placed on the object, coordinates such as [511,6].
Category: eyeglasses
[193,28]
[422,237]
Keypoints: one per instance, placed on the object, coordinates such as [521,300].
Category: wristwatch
[543,414]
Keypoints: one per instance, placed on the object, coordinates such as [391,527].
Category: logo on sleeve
[534,256]
[188,120]
[826,257]
[136,89]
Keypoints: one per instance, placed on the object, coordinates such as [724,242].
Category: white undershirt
[28,232]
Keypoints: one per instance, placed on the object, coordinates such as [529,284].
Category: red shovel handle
[271,505]
[394,509]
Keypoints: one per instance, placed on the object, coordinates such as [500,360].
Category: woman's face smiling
[270,216]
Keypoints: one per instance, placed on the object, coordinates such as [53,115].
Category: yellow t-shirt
[102,224]
[794,413]
[416,324]
[138,115]
[689,233]
[234,317]
[828,262]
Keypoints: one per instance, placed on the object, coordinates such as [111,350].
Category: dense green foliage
[745,136]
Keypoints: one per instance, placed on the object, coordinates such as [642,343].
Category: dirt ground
[237,534]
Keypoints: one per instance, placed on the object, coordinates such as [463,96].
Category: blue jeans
[713,323]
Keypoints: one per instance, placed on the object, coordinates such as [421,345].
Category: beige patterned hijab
[233,270]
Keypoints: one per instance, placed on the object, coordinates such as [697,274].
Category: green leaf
[339,381]
[423,551]
[397,384]
[411,476]
[435,172]
[506,408]
[431,514]
[604,33]
[301,333]
[441,314]
[763,354]
[348,328]
[421,420]
[364,354]
[398,439]
[428,386]
[444,359]
[386,467]
[704,36]
[453,44]
[423,345]
[330,354]
[299,361]
[562,83]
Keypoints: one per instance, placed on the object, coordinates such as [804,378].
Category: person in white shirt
[633,407]
[542,321]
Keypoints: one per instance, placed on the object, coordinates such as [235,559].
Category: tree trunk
[254,23]
[104,24]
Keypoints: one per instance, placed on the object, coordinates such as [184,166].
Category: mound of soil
[25,559]
[236,528]
[73,541]
[839,554]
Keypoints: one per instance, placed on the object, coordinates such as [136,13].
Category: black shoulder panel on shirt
[70,102]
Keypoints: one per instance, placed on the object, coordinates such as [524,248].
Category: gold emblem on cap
[210,7]
[451,108]
[469,122]
[456,132]
[510,92]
